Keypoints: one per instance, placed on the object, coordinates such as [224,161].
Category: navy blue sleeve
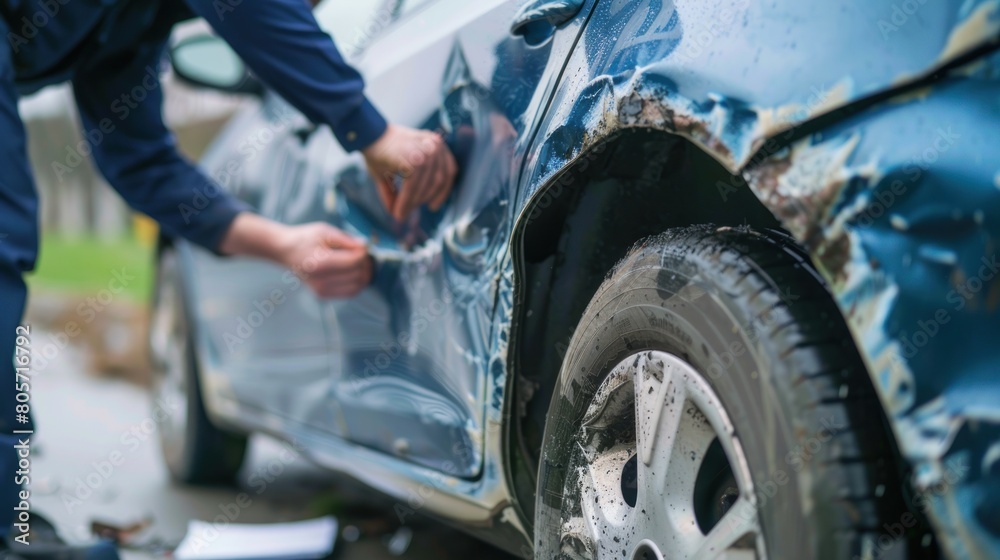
[285,47]
[120,101]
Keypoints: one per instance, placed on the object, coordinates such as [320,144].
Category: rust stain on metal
[804,195]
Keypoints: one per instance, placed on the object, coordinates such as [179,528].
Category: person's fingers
[331,263]
[411,184]
[403,199]
[386,192]
[439,185]
[335,238]
[406,197]
[336,291]
[432,184]
[344,286]
[433,146]
[419,184]
[334,276]
[326,284]
[449,170]
[452,165]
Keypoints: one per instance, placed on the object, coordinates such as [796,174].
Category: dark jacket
[112,51]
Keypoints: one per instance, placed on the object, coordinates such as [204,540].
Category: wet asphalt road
[85,424]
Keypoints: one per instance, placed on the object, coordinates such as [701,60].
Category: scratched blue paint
[731,76]
[735,73]
[916,269]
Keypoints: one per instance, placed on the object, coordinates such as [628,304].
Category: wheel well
[636,184]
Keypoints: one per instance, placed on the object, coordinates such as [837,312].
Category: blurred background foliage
[79,264]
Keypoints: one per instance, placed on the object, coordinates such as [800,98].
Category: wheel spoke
[636,491]
[659,408]
[740,520]
[601,503]
[738,554]
[576,541]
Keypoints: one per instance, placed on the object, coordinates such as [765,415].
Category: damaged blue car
[719,279]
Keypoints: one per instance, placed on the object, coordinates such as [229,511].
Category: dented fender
[900,209]
[918,282]
[738,77]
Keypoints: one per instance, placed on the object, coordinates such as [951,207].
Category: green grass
[85,265]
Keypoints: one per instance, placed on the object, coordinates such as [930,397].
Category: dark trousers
[18,248]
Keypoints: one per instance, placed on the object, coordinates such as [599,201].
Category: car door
[266,333]
[414,353]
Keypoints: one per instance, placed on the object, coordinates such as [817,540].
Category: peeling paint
[982,24]
[907,243]
[896,215]
[804,197]
[519,116]
[772,121]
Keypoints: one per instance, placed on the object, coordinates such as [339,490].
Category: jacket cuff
[360,128]
[217,219]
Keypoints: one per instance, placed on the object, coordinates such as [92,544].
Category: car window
[353,23]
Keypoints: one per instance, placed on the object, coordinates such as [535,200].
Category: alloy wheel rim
[648,442]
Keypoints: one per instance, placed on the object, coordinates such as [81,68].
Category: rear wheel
[194,450]
[712,405]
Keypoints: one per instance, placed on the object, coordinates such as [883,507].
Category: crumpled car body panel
[869,129]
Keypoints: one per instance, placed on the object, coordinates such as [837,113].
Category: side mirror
[208,61]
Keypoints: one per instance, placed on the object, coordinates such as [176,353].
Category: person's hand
[424,162]
[332,263]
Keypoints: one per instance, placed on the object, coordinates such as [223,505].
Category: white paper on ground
[301,540]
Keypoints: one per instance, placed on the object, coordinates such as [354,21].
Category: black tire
[194,449]
[786,372]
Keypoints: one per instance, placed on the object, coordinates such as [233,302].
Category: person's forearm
[251,235]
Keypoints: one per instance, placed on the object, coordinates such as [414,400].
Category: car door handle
[538,19]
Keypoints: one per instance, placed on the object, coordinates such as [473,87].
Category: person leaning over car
[109,50]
